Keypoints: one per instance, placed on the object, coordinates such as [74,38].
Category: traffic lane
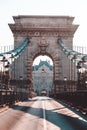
[32,118]
[64,118]
[41,113]
[56,115]
[18,117]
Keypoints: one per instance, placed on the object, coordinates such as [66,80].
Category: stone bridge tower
[43,32]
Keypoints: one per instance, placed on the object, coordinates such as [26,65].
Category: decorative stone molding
[44,33]
[43,44]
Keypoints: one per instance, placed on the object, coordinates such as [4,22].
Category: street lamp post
[81,78]
[4,60]
[86,84]
[21,96]
[65,83]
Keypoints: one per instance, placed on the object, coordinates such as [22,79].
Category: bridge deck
[42,113]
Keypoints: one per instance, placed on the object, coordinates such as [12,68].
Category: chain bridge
[43,35]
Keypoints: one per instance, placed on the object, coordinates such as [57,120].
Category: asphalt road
[41,113]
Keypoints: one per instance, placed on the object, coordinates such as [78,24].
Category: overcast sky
[76,8]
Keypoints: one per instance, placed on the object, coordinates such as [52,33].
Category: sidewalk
[6,107]
[3,108]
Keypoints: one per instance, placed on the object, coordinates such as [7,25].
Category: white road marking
[44,117]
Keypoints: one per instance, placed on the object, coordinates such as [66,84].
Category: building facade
[42,77]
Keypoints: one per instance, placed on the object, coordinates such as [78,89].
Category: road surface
[41,113]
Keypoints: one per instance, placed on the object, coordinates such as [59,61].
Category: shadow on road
[65,122]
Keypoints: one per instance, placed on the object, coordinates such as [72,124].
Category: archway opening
[42,75]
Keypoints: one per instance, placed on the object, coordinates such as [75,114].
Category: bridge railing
[7,97]
[75,99]
[15,91]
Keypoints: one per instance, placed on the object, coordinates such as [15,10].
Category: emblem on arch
[43,44]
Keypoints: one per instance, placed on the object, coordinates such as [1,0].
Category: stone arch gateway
[43,32]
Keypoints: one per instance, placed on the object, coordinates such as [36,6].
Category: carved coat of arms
[43,45]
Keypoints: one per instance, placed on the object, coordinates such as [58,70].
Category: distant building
[42,77]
